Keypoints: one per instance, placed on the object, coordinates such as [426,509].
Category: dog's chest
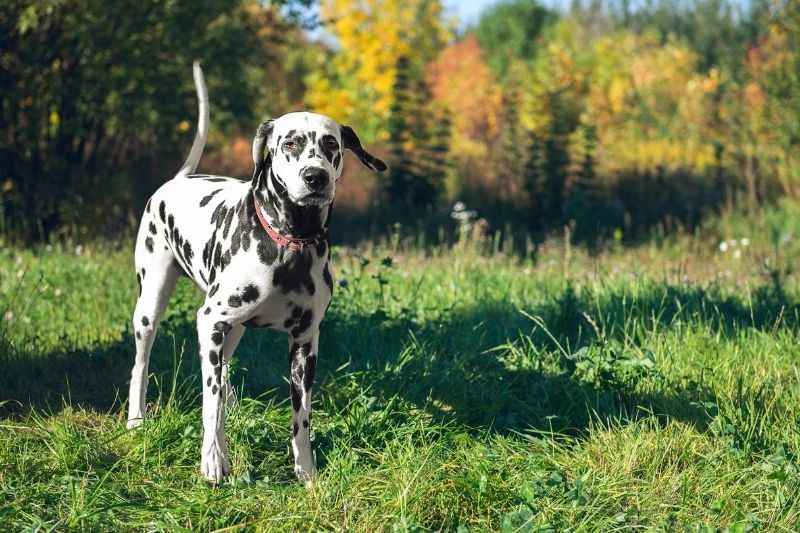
[294,294]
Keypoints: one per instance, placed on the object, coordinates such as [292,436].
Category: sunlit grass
[640,388]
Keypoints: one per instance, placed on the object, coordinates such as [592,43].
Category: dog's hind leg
[229,346]
[157,273]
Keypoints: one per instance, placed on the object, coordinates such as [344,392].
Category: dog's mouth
[316,198]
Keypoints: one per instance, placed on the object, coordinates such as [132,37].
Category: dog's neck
[286,217]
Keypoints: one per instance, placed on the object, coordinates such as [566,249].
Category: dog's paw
[134,423]
[305,475]
[214,465]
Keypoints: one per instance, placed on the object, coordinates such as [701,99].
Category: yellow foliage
[371,36]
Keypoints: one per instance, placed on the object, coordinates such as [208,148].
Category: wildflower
[79,249]
[723,246]
[9,315]
[737,254]
[460,212]
[58,292]
[745,241]
[20,273]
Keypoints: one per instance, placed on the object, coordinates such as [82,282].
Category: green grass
[648,388]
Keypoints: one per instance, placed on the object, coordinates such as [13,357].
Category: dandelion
[20,273]
[79,249]
[745,241]
[58,292]
[9,315]
[723,246]
[737,254]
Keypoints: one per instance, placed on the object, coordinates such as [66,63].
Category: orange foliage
[461,81]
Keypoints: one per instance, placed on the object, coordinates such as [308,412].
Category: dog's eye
[288,145]
[332,144]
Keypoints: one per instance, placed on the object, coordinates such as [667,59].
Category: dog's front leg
[303,362]
[211,331]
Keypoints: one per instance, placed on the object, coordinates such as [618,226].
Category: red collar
[286,241]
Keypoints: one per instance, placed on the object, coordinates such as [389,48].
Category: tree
[418,136]
[511,29]
[355,84]
[98,102]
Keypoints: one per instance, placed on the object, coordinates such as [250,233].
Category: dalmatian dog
[258,250]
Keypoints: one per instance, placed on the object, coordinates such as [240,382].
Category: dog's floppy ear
[352,142]
[261,156]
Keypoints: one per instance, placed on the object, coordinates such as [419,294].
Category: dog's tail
[199,143]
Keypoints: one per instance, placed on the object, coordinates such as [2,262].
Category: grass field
[653,387]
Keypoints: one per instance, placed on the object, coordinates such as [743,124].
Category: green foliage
[94,97]
[418,136]
[510,30]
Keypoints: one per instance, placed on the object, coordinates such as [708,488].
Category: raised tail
[199,143]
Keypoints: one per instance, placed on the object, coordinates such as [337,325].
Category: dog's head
[306,154]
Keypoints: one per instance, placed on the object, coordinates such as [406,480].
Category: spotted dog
[258,250]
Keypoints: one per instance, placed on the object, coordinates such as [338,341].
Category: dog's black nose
[316,178]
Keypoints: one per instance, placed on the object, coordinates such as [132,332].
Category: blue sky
[467,11]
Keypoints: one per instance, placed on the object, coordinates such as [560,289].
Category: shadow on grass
[488,367]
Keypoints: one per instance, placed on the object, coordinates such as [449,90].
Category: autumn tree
[356,83]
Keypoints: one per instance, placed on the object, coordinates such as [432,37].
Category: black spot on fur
[234,300]
[305,423]
[297,312]
[213,291]
[337,161]
[171,221]
[295,275]
[213,357]
[214,389]
[205,200]
[208,381]
[216,180]
[188,253]
[326,275]
[138,335]
[145,321]
[295,429]
[143,272]
[148,243]
[250,293]
[162,211]
[139,281]
[311,369]
[217,337]
[152,228]
[296,403]
[267,252]
[228,221]
[207,311]
[222,326]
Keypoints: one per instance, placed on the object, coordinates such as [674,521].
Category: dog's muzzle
[315,178]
